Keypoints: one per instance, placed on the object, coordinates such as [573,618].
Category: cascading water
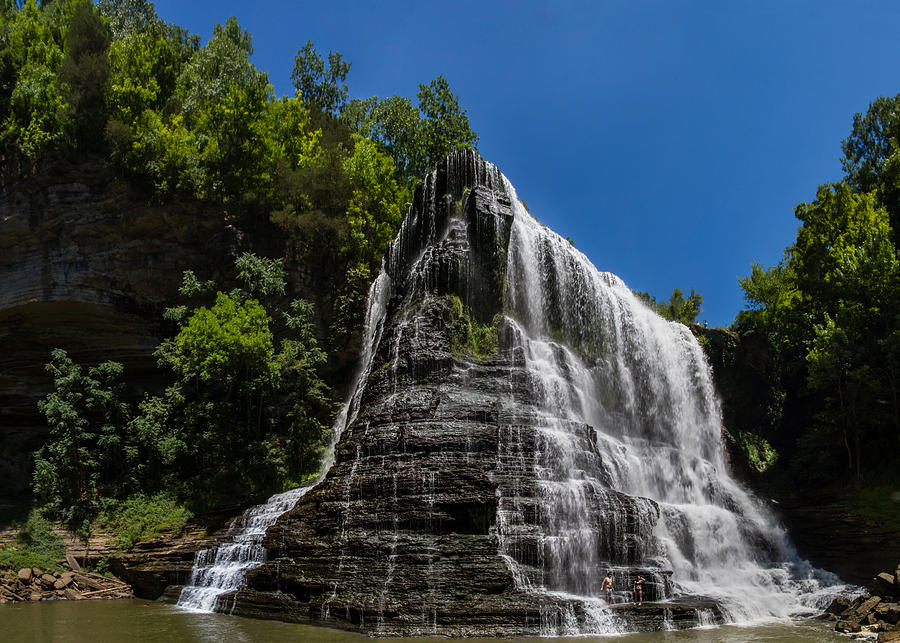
[221,569]
[629,431]
[488,489]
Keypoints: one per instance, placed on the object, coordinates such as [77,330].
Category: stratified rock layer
[405,534]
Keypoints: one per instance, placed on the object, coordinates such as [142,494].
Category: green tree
[85,72]
[872,154]
[223,98]
[89,453]
[446,125]
[417,139]
[32,55]
[246,411]
[321,86]
[677,308]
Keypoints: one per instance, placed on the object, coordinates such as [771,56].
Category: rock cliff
[87,266]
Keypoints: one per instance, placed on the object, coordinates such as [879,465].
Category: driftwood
[107,579]
[104,591]
[73,564]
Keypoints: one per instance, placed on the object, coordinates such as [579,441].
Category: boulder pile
[876,611]
[34,584]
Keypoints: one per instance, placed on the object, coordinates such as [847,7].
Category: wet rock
[838,606]
[867,606]
[886,637]
[846,626]
[433,504]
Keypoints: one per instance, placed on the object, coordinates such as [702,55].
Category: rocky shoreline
[34,584]
[877,611]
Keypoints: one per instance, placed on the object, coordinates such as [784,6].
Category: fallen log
[107,579]
[101,591]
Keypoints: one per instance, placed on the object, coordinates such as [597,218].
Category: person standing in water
[639,590]
[607,587]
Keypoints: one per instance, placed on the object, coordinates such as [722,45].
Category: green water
[136,621]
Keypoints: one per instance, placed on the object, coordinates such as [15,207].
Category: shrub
[36,535]
[142,518]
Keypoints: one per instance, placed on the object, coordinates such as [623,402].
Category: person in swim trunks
[607,587]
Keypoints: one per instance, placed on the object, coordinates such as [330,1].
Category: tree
[871,143]
[245,411]
[223,98]
[33,53]
[89,453]
[416,138]
[85,72]
[831,308]
[320,86]
[677,308]
[128,17]
[446,125]
[872,154]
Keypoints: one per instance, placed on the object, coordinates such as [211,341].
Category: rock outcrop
[33,584]
[874,612]
[410,531]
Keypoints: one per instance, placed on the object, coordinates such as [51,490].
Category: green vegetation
[831,309]
[244,413]
[244,410]
[759,453]
[90,453]
[677,308]
[142,518]
[13,559]
[37,545]
[469,336]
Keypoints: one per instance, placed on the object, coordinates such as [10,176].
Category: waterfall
[628,432]
[221,569]
[496,490]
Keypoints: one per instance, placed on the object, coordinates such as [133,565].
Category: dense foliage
[244,410]
[831,310]
[677,308]
[188,120]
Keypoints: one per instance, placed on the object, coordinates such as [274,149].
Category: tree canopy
[831,309]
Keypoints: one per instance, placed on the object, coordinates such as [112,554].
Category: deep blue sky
[670,140]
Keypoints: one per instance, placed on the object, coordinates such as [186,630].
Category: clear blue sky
[670,140]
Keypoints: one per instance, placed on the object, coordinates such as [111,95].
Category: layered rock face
[463,500]
[86,267]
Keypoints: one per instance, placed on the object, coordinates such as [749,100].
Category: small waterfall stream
[221,569]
